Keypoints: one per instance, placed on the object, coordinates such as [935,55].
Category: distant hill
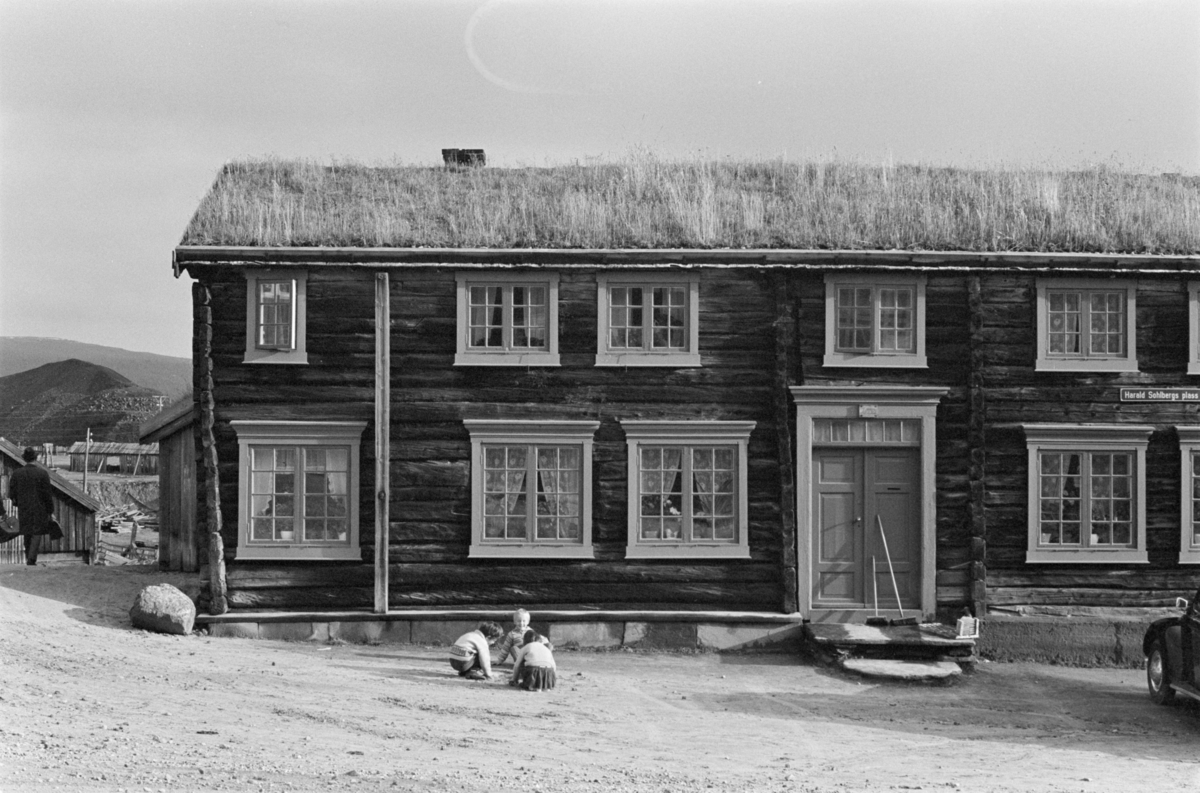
[59,402]
[162,373]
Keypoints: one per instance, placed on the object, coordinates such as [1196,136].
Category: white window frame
[875,359]
[473,356]
[298,433]
[532,432]
[1083,363]
[1189,445]
[1086,439]
[1193,327]
[689,356]
[298,353]
[687,434]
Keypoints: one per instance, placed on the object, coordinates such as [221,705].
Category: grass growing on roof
[645,202]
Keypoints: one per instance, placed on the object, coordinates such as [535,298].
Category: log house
[736,431]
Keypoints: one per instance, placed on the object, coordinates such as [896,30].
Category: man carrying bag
[30,490]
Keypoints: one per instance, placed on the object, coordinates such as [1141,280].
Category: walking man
[29,488]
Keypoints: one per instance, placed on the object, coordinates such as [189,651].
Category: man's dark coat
[30,489]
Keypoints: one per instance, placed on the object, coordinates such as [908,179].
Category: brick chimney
[459,157]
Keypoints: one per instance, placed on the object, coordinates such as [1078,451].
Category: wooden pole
[383,418]
[87,447]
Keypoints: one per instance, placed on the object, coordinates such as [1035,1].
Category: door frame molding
[863,401]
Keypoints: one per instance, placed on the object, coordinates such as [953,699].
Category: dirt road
[88,704]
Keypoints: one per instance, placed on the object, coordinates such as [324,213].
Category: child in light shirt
[471,653]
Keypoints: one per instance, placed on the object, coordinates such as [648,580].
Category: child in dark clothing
[535,669]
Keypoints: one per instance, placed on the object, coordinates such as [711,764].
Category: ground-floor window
[687,488]
[1087,492]
[298,489]
[531,488]
[1189,537]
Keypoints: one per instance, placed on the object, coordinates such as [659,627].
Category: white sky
[115,116]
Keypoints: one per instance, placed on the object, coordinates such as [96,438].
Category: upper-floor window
[648,319]
[1189,508]
[507,319]
[276,316]
[1086,325]
[298,489]
[687,488]
[531,488]
[875,321]
[1087,492]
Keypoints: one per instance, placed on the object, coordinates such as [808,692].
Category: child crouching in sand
[471,654]
[534,669]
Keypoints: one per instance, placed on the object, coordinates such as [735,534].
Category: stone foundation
[783,633]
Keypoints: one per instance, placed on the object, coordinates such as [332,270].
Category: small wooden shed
[172,432]
[115,458]
[75,510]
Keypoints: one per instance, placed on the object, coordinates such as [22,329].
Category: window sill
[692,551]
[1189,556]
[313,552]
[876,361]
[1085,365]
[276,357]
[530,552]
[673,360]
[505,359]
[1086,557]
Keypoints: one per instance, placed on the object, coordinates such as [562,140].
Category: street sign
[1160,394]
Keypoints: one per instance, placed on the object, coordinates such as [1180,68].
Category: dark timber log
[552,571]
[1081,596]
[785,330]
[977,453]
[217,600]
[745,596]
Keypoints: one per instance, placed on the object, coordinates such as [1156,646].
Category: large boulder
[164,609]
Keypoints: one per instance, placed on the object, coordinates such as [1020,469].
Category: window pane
[855,316]
[262,505]
[275,313]
[505,494]
[1063,323]
[262,529]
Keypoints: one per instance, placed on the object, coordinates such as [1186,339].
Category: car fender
[1168,633]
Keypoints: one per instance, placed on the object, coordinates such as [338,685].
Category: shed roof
[61,484]
[108,447]
[646,203]
[171,419]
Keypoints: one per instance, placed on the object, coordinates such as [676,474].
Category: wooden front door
[855,490]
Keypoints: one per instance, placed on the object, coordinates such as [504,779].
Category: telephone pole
[87,448]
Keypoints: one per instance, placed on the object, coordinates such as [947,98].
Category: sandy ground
[89,704]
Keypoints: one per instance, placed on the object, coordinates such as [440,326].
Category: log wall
[1016,394]
[430,522]
[759,333]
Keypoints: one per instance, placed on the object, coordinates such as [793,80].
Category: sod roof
[646,203]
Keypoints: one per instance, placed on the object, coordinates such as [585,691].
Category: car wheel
[1158,679]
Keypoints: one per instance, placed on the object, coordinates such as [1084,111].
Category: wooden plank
[541,572]
[383,423]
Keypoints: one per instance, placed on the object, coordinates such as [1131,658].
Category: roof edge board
[184,257]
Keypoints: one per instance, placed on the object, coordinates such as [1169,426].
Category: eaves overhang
[196,258]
